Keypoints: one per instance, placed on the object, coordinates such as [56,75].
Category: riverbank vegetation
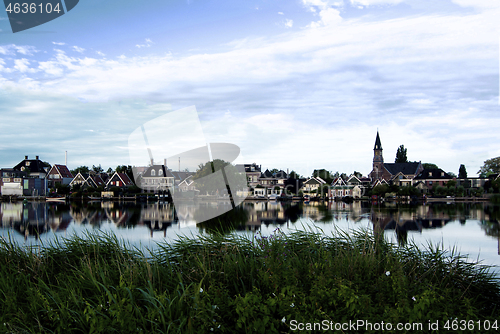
[227,284]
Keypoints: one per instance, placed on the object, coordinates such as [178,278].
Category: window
[160,172]
[153,173]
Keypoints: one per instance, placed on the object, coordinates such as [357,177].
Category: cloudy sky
[298,84]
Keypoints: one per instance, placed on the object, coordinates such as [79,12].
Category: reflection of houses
[388,171]
[157,178]
[28,219]
[425,217]
[119,216]
[157,217]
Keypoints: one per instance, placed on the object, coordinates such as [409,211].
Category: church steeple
[378,159]
[378,144]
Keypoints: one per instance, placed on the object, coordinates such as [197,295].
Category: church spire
[378,144]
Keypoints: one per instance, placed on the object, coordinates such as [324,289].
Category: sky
[296,84]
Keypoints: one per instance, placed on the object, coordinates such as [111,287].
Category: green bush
[232,284]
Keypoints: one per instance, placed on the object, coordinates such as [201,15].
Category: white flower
[387,273]
[292,305]
[414,299]
[201,290]
[283,320]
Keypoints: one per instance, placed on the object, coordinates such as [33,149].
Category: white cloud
[478,3]
[328,14]
[78,49]
[288,23]
[375,2]
[21,49]
[22,65]
[281,13]
[58,43]
[411,76]
[100,53]
[147,44]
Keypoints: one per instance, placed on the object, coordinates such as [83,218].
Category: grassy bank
[231,284]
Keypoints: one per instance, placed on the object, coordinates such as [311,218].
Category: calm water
[471,228]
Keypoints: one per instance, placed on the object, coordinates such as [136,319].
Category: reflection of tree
[226,222]
[293,212]
[327,215]
[490,228]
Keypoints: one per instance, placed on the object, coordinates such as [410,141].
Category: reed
[230,283]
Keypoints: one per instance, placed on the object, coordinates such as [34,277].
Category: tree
[213,184]
[323,174]
[274,171]
[428,165]
[401,155]
[81,169]
[462,172]
[127,170]
[97,169]
[491,166]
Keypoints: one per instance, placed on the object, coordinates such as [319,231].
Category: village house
[34,167]
[352,188]
[156,178]
[311,185]
[119,180]
[59,174]
[429,178]
[252,171]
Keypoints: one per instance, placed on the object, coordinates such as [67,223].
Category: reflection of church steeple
[378,159]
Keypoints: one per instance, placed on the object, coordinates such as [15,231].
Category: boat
[55,199]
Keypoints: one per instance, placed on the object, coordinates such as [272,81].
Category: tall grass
[217,283]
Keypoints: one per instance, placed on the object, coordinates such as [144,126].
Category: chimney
[66,158]
[25,157]
[152,162]
[165,162]
[37,157]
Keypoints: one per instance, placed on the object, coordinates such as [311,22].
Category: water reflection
[34,219]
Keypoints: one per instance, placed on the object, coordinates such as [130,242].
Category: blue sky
[298,84]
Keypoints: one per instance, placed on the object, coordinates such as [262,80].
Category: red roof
[63,171]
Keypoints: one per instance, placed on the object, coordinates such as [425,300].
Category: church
[395,172]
